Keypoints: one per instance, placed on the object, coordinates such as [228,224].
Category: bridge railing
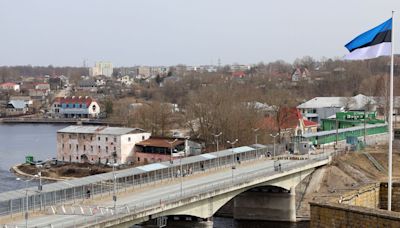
[176,199]
[38,201]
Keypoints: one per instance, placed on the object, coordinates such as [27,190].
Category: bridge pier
[266,203]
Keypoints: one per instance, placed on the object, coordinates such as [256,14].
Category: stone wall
[357,208]
[395,196]
[341,215]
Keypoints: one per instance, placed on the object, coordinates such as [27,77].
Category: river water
[39,140]
[19,140]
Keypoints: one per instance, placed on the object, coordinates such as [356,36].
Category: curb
[16,170]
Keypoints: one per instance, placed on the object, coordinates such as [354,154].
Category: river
[19,140]
[39,140]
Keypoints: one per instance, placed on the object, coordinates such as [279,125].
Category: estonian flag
[371,44]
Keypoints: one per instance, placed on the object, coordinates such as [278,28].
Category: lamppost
[26,197]
[170,146]
[233,155]
[274,136]
[255,133]
[114,185]
[216,139]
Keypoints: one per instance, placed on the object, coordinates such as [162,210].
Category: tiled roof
[308,123]
[160,142]
[8,84]
[74,100]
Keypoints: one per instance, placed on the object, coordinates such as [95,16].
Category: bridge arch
[208,206]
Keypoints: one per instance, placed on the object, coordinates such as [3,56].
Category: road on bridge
[159,191]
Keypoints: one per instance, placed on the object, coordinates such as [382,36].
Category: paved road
[159,191]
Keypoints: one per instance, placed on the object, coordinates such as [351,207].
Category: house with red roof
[10,86]
[238,74]
[75,107]
[289,121]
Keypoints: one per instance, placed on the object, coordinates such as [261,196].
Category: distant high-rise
[101,68]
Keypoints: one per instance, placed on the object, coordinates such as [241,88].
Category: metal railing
[175,199]
[39,201]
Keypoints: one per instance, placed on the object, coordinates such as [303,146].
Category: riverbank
[59,172]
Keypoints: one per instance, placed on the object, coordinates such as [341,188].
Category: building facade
[10,86]
[158,149]
[75,107]
[101,68]
[98,144]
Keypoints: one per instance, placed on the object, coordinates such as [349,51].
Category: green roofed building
[349,124]
[350,119]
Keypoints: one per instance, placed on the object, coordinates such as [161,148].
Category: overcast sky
[169,32]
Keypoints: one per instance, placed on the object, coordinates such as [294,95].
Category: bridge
[261,187]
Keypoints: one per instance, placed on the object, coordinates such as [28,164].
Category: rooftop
[100,130]
[160,142]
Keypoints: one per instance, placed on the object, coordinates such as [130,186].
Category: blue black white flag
[371,44]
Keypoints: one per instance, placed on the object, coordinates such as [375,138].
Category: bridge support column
[266,203]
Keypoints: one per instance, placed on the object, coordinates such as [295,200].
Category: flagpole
[391,121]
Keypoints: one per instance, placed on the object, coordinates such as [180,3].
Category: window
[142,137]
[84,137]
[99,148]
[115,149]
[84,147]
[69,146]
[69,136]
[63,145]
[98,138]
[115,139]
[77,158]
[91,138]
[77,147]
[106,139]
[138,159]
[106,149]
[129,139]
[91,148]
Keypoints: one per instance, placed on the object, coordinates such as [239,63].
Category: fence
[174,200]
[103,184]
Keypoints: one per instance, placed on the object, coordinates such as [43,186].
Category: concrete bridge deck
[199,195]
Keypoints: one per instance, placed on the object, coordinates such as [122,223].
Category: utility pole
[365,127]
[233,155]
[216,138]
[274,136]
[255,134]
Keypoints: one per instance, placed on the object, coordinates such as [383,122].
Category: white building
[75,107]
[324,107]
[126,80]
[101,68]
[10,86]
[98,144]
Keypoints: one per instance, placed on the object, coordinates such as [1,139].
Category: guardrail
[174,200]
[39,201]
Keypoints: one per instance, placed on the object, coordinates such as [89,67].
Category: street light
[274,136]
[114,185]
[170,146]
[233,155]
[216,138]
[26,196]
[255,132]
